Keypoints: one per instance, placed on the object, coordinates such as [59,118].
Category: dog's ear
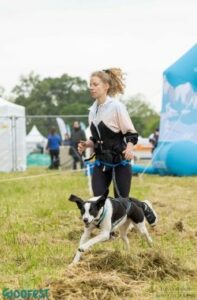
[77,200]
[101,201]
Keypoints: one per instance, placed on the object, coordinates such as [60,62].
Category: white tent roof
[34,136]
[8,109]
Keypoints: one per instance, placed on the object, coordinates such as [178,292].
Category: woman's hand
[128,152]
[83,145]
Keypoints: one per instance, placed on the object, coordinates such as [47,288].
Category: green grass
[40,229]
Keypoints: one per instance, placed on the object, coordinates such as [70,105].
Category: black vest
[108,144]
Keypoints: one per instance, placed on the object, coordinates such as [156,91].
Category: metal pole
[13,143]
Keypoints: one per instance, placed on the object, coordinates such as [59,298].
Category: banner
[62,127]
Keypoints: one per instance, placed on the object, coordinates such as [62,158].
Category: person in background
[154,138]
[53,146]
[67,140]
[113,138]
[77,134]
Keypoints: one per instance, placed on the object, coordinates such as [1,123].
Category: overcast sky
[52,37]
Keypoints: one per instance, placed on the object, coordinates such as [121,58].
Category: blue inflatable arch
[176,153]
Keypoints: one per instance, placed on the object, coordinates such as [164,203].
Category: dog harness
[124,203]
[102,216]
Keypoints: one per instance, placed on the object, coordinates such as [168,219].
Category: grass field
[40,230]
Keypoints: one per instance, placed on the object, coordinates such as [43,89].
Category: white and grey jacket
[111,128]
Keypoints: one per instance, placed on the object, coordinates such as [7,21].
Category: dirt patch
[83,284]
[179,226]
[151,264]
[114,275]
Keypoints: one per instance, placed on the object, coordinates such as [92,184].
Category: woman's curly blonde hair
[114,77]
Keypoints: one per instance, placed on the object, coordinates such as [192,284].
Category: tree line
[67,95]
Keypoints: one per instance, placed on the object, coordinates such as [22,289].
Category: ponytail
[114,77]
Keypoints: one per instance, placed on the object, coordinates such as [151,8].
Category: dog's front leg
[103,236]
[85,236]
[76,258]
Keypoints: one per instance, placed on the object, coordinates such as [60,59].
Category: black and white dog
[108,214]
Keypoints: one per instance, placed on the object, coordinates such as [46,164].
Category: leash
[115,182]
[89,158]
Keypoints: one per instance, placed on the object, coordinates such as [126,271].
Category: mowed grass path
[40,229]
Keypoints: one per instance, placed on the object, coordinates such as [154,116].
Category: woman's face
[98,89]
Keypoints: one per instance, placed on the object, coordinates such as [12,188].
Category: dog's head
[90,210]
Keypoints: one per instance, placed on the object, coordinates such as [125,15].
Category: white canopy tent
[34,140]
[12,137]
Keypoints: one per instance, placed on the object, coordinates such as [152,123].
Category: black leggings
[101,180]
[123,175]
[54,154]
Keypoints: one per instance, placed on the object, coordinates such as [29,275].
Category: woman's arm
[128,130]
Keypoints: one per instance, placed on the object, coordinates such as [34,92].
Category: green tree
[52,96]
[144,117]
